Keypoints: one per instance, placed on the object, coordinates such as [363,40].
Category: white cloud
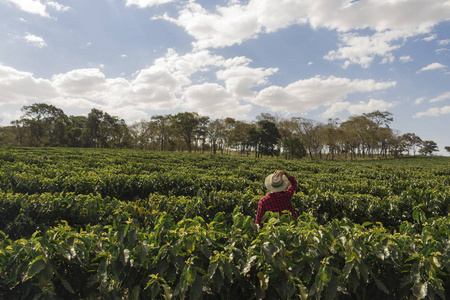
[35,40]
[31,6]
[169,84]
[430,37]
[445,96]
[37,7]
[434,112]
[444,42]
[232,25]
[309,94]
[18,87]
[389,23]
[241,79]
[433,66]
[147,3]
[363,50]
[81,82]
[189,63]
[405,58]
[358,108]
[57,6]
[372,105]
[419,100]
[335,108]
[213,100]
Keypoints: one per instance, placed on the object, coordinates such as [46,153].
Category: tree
[331,136]
[310,133]
[105,131]
[215,132]
[201,132]
[381,119]
[293,147]
[264,137]
[74,130]
[359,134]
[428,147]
[240,136]
[91,133]
[44,124]
[162,124]
[142,133]
[269,136]
[185,125]
[412,141]
[447,148]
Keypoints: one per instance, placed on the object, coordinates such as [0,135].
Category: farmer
[281,186]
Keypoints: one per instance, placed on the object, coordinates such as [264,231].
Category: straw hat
[276,183]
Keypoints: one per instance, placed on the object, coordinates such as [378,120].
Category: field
[123,224]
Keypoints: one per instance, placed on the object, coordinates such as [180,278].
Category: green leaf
[135,293]
[249,264]
[212,269]
[347,269]
[332,288]
[197,288]
[36,266]
[167,291]
[67,285]
[381,286]
[227,270]
[364,271]
[420,290]
[365,224]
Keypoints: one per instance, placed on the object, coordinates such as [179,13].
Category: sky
[317,59]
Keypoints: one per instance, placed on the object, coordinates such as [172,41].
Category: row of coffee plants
[192,259]
[128,224]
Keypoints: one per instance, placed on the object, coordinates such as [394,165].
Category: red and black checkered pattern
[277,202]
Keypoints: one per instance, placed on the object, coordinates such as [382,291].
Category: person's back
[282,187]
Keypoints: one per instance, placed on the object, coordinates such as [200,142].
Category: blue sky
[316,59]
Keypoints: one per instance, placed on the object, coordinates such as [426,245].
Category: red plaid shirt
[277,202]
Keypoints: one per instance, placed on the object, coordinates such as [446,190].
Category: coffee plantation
[126,224]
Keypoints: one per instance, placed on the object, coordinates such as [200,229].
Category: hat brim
[281,188]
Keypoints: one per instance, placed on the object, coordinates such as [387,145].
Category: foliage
[366,135]
[121,224]
[428,147]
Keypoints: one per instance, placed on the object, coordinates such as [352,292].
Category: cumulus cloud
[165,85]
[241,79]
[232,25]
[368,29]
[37,7]
[433,66]
[147,3]
[434,112]
[357,108]
[57,6]
[430,37]
[445,96]
[18,87]
[213,100]
[31,6]
[419,100]
[362,50]
[305,95]
[405,58]
[372,105]
[444,42]
[35,40]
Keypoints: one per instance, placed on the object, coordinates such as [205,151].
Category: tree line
[365,135]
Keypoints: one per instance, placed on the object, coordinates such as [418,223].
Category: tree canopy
[365,135]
